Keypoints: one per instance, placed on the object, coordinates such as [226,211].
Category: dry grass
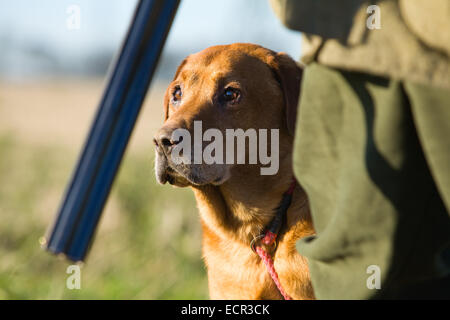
[148,244]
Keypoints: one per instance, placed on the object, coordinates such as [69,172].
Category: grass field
[148,245]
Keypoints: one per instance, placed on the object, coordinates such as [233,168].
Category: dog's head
[238,86]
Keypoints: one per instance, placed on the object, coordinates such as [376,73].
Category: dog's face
[225,87]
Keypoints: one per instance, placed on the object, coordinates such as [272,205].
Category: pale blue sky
[198,24]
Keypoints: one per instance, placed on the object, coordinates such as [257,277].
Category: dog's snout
[163,139]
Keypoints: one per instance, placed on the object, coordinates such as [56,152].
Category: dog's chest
[236,272]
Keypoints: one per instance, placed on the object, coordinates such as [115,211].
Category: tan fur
[240,206]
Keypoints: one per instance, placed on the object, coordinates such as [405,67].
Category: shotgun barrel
[128,82]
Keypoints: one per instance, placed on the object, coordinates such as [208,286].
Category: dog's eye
[231,95]
[176,95]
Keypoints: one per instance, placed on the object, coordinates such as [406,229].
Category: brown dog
[239,86]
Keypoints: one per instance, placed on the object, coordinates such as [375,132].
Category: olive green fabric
[373,155]
[372,146]
[413,42]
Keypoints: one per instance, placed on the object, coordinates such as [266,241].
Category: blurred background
[52,73]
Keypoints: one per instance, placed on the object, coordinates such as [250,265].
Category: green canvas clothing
[372,145]
[412,44]
[373,155]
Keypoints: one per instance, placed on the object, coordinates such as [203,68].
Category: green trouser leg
[373,155]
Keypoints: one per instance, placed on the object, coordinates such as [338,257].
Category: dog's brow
[193,77]
[218,76]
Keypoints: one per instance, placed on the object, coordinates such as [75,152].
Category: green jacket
[372,147]
[409,45]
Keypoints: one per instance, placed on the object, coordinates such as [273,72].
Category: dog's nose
[163,139]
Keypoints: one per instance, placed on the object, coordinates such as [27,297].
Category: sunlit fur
[240,206]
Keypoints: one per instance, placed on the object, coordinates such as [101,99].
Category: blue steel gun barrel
[128,82]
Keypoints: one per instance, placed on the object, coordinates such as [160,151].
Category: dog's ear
[167,94]
[289,75]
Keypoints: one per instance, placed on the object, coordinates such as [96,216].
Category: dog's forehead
[220,61]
